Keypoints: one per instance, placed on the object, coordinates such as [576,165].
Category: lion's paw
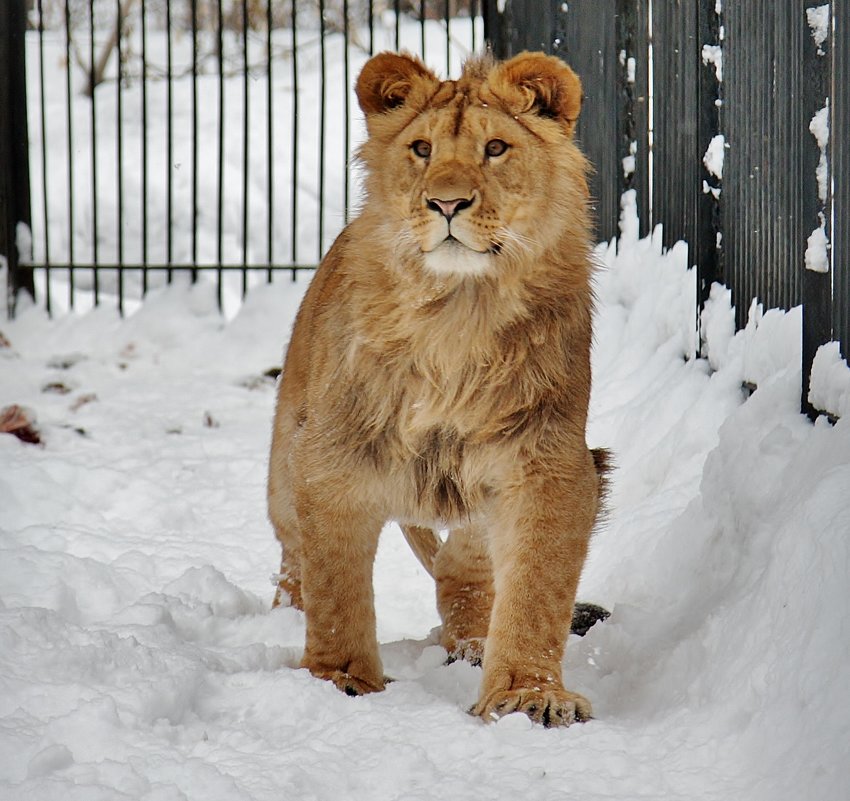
[549,707]
[351,685]
[471,650]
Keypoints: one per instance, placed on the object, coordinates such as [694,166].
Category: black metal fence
[217,135]
[199,135]
[774,223]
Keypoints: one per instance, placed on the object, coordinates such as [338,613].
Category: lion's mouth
[451,244]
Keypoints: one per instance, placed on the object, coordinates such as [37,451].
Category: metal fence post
[839,111]
[14,150]
[707,249]
[816,283]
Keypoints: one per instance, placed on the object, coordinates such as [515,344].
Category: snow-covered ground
[140,658]
[139,655]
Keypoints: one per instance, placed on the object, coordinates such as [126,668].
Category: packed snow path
[140,658]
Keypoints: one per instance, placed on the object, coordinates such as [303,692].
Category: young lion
[439,375]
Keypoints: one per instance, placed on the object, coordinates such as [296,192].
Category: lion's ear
[544,85]
[386,81]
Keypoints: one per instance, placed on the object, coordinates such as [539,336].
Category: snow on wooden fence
[731,120]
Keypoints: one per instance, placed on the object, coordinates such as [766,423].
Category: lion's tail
[424,542]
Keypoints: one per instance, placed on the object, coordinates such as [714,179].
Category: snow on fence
[731,121]
[226,144]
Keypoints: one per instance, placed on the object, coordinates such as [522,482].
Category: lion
[438,375]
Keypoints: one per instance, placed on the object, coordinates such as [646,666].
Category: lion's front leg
[539,544]
[339,543]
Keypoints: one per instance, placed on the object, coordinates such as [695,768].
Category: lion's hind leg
[464,577]
[288,580]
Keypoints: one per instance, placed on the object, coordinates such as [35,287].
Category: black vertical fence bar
[422,26]
[93,109]
[346,94]
[44,166]
[219,240]
[448,18]
[322,111]
[397,15]
[371,11]
[269,144]
[294,182]
[144,101]
[816,286]
[707,246]
[473,16]
[14,178]
[633,103]
[840,160]
[119,106]
[169,147]
[496,27]
[70,144]
[246,153]
[194,23]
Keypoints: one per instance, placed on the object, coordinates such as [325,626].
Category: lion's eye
[495,147]
[421,148]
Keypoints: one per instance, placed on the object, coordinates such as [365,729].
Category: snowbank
[140,659]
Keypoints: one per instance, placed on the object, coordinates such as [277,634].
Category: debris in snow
[210,421]
[20,423]
[56,388]
[818,19]
[4,343]
[83,400]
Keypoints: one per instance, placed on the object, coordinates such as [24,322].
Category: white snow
[819,127]
[817,249]
[713,54]
[818,19]
[830,381]
[715,155]
[140,658]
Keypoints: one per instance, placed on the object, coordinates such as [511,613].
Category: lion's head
[470,174]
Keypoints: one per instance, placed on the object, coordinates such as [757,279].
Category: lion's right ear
[387,80]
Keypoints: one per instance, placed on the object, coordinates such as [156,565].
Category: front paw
[551,707]
[351,684]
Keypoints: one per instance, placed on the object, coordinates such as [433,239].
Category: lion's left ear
[545,85]
[388,79]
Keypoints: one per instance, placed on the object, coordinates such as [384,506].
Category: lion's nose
[448,208]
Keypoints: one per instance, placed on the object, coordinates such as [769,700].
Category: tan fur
[444,382]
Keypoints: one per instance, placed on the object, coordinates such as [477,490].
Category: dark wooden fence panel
[763,237]
[676,170]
